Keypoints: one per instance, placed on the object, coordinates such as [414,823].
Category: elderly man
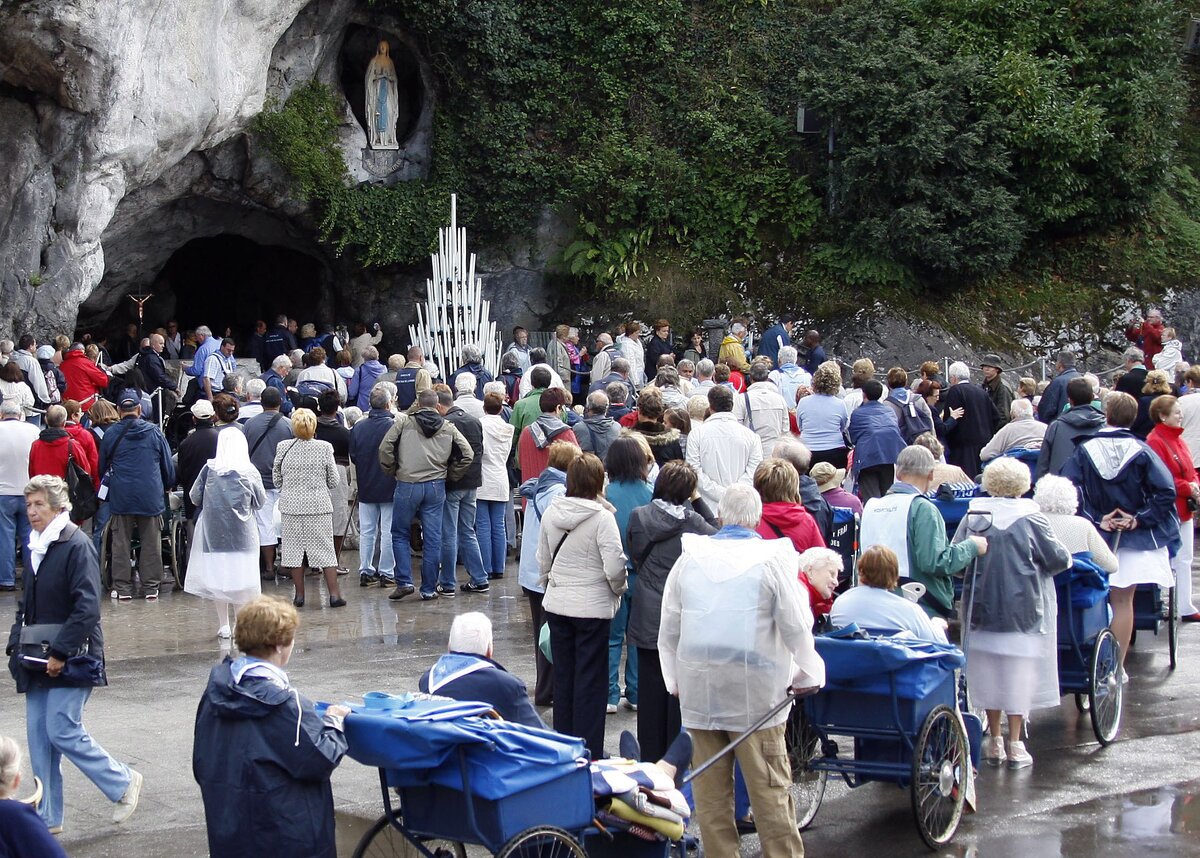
[909,524]
[1022,432]
[619,372]
[975,427]
[721,450]
[375,491]
[1054,397]
[520,348]
[1148,333]
[16,440]
[993,382]
[733,352]
[789,377]
[207,345]
[762,409]
[472,365]
[1134,378]
[606,353]
[219,364]
[468,672]
[263,433]
[465,386]
[705,370]
[252,406]
[597,430]
[458,516]
[136,462]
[736,632]
[412,379]
[276,379]
[24,358]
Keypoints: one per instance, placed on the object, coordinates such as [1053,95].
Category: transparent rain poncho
[223,563]
[736,630]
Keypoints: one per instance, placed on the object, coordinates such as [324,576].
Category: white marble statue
[382,100]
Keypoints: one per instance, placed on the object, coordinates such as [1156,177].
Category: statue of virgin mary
[382,100]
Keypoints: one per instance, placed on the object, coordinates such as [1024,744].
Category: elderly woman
[60,608]
[262,755]
[1126,490]
[819,570]
[583,574]
[822,419]
[1166,440]
[1022,432]
[1010,613]
[1058,501]
[654,543]
[1158,383]
[22,831]
[304,472]
[942,472]
[223,565]
[783,516]
[494,494]
[876,605]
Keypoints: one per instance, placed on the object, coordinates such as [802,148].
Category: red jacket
[781,519]
[85,441]
[48,455]
[1167,442]
[84,379]
[1149,336]
[533,459]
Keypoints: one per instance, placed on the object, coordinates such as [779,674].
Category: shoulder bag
[80,489]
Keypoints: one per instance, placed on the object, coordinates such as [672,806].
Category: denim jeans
[103,514]
[14,536]
[491,533]
[616,641]
[410,501]
[375,520]
[458,533]
[54,729]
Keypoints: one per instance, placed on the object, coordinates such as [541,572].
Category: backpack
[80,489]
[912,422]
[53,394]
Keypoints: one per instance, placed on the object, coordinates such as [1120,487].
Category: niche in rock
[358,49]
[228,281]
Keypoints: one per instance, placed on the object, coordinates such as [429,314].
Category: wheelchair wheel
[383,840]
[941,758]
[1173,627]
[542,842]
[1105,695]
[106,575]
[808,786]
[179,551]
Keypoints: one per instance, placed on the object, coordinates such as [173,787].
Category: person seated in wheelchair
[468,672]
[22,831]
[875,605]
[819,570]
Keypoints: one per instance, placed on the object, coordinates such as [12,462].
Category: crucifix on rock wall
[140,300]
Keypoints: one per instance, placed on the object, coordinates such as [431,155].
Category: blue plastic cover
[1089,583]
[419,744]
[866,666]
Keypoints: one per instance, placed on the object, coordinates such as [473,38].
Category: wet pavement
[1139,797]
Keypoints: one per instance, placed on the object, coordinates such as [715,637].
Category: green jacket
[932,559]
[525,412]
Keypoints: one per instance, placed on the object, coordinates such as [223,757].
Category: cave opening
[358,48]
[229,281]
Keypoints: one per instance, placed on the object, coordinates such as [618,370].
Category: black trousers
[838,457]
[874,482]
[658,719]
[543,687]
[579,646]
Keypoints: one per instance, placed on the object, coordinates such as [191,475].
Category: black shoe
[629,747]
[298,602]
[401,591]
[471,587]
[429,597]
[746,826]
[386,583]
[679,754]
[365,580]
[446,590]
[7,588]
[495,576]
[337,603]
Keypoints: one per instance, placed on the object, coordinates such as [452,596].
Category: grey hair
[705,368]
[811,558]
[427,398]
[396,362]
[12,408]
[1134,354]
[472,633]
[465,382]
[759,371]
[352,415]
[54,488]
[605,338]
[1021,409]
[740,505]
[1094,381]
[56,417]
[204,331]
[686,364]
[380,398]
[280,361]
[471,354]
[697,407]
[958,371]
[915,461]
[6,347]
[737,328]
[255,388]
[617,392]
[370,353]
[10,765]
[621,365]
[794,452]
[496,387]
[1006,477]
[1056,495]
[597,402]
[392,391]
[788,354]
[296,356]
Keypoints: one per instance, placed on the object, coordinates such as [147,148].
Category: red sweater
[84,378]
[792,521]
[1167,442]
[50,456]
[85,442]
[533,458]
[1149,335]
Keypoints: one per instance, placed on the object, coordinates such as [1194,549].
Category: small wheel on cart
[542,842]
[1082,702]
[1106,694]
[808,786]
[179,550]
[384,840]
[1173,626]
[941,758]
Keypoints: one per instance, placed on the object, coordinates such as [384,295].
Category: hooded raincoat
[263,757]
[223,564]
[538,494]
[1008,600]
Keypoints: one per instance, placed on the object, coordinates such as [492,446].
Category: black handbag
[33,651]
[80,489]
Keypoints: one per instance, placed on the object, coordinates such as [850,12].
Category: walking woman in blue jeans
[63,596]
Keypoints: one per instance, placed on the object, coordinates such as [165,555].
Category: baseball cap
[202,410]
[129,399]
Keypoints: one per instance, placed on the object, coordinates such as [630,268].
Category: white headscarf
[232,453]
[39,543]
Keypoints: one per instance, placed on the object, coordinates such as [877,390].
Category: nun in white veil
[223,565]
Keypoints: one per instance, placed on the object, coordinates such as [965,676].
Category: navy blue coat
[264,794]
[142,469]
[490,684]
[875,435]
[482,377]
[1054,397]
[472,430]
[772,339]
[23,832]
[374,485]
[66,591]
[1132,477]
[273,379]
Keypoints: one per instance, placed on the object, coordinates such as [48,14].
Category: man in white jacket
[721,450]
[762,409]
[735,634]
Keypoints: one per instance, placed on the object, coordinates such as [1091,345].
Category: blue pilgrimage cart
[1089,657]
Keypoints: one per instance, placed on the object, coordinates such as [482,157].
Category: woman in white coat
[494,494]
[583,573]
[223,565]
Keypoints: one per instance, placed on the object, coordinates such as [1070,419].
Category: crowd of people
[672,530]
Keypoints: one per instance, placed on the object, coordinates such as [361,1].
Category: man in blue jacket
[1054,397]
[472,363]
[877,442]
[467,672]
[776,337]
[136,468]
[376,491]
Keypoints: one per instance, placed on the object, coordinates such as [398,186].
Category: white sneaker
[1122,676]
[224,633]
[1018,757]
[129,802]
[611,709]
[632,707]
[993,751]
[113,594]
